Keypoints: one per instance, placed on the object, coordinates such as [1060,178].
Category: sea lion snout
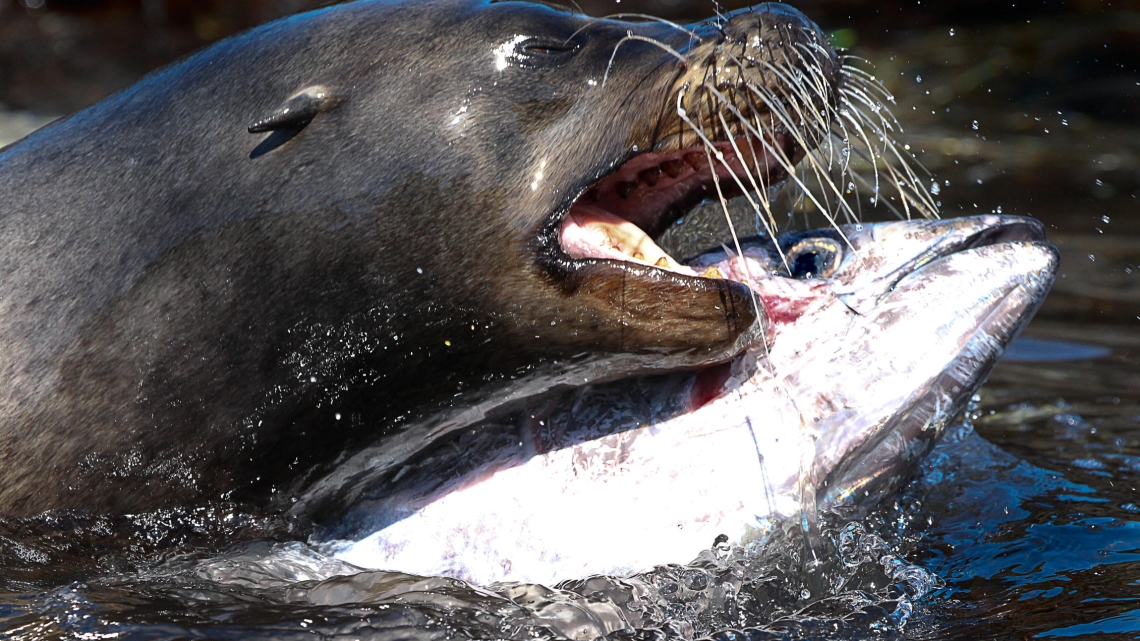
[735,102]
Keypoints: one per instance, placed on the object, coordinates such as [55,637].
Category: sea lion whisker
[844,137]
[847,170]
[636,37]
[751,178]
[787,81]
[651,18]
[841,136]
[868,87]
[915,184]
[732,229]
[868,156]
[876,107]
[823,175]
[709,149]
[918,189]
[762,192]
[787,162]
[876,111]
[868,79]
[812,68]
[878,199]
[900,183]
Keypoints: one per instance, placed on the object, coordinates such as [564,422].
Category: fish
[881,334]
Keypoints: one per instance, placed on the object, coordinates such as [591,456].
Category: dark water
[1023,523]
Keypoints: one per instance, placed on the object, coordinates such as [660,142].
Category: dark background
[61,55]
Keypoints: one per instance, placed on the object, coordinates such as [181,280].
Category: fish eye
[813,258]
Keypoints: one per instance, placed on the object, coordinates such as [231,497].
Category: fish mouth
[1002,230]
[939,240]
[618,218]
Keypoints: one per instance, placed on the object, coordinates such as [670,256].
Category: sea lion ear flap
[299,110]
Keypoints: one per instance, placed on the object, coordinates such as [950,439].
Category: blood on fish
[785,310]
[708,385]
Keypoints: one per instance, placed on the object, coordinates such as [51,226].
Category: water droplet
[974,125]
[951,32]
[1105,219]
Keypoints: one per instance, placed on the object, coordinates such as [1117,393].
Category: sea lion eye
[539,47]
[813,258]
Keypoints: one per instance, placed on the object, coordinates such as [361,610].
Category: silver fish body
[868,361]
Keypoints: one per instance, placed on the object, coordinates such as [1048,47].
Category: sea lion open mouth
[759,99]
[618,214]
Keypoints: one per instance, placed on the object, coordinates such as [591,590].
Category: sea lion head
[616,130]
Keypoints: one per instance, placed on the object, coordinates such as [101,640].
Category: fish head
[883,332]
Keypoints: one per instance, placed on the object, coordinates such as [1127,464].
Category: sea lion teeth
[650,176]
[625,188]
[712,272]
[592,232]
[694,158]
[673,168]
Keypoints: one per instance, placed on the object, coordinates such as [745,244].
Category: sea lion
[378,218]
